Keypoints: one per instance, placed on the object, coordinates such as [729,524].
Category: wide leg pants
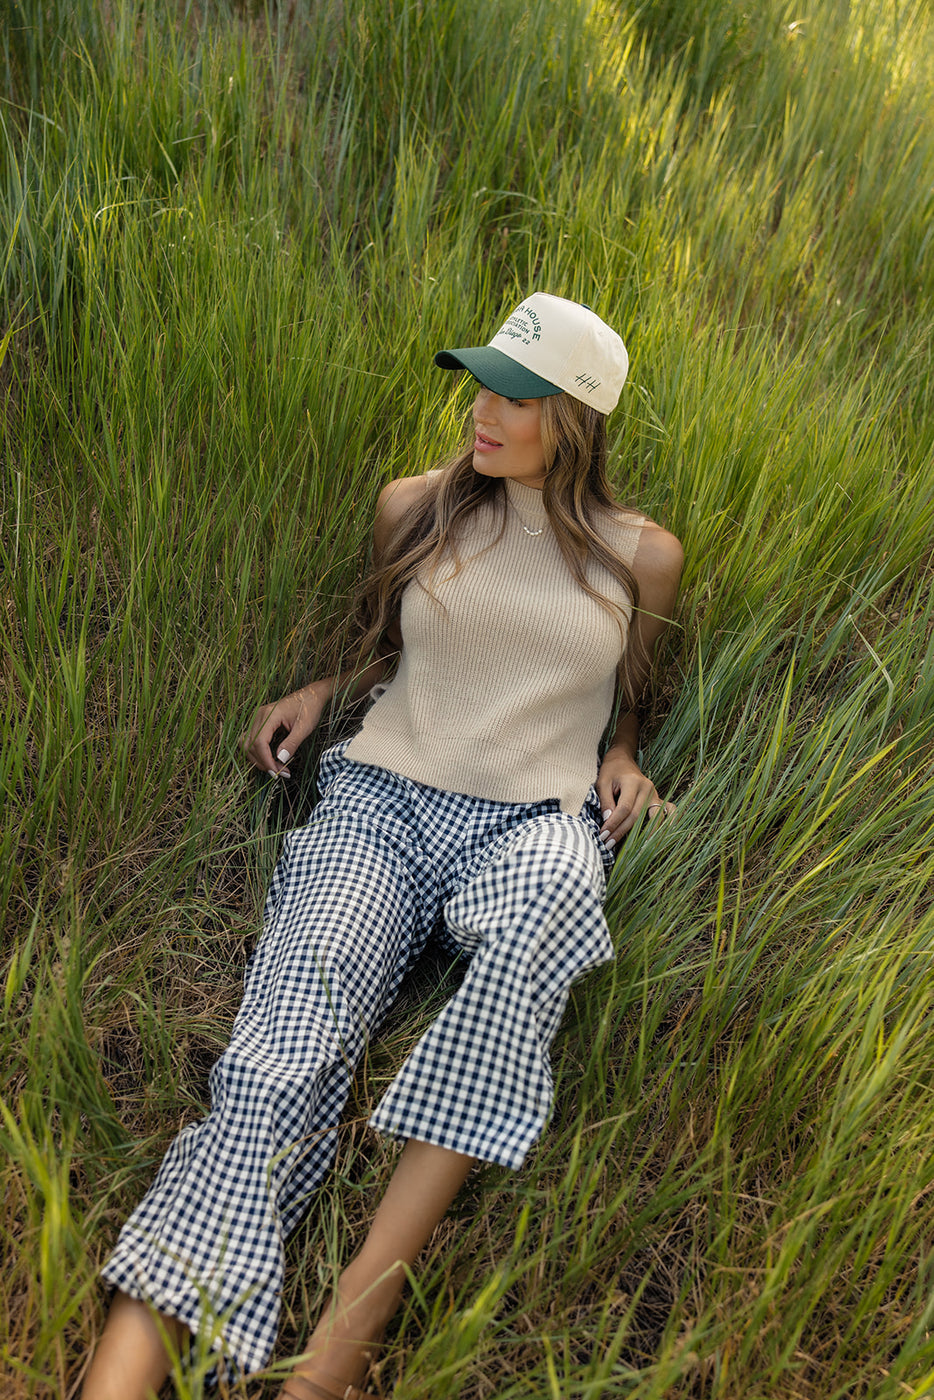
[383,863]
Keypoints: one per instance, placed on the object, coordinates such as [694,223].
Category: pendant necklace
[533,533]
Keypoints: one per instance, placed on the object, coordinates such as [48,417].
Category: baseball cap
[548,346]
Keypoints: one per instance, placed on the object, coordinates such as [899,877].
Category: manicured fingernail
[283,755]
[610,844]
[284,773]
[272,772]
[607,814]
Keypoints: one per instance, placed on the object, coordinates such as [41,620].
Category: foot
[342,1346]
[300,1388]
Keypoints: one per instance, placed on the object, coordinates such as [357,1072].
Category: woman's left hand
[625,792]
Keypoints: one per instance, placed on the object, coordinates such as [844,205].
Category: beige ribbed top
[508,668]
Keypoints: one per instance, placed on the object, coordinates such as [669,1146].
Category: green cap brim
[498,372]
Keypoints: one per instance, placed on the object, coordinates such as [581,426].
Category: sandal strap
[311,1390]
[300,1388]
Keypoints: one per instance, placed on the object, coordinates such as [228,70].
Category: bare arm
[300,713]
[622,787]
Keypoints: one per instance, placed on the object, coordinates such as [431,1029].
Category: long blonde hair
[575,493]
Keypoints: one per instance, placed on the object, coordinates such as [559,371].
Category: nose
[483,404]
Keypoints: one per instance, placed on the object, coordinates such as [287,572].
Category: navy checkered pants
[382,863]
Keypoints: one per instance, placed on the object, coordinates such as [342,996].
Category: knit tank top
[508,667]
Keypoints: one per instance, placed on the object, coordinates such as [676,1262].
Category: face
[508,438]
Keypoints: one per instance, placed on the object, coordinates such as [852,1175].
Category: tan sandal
[301,1388]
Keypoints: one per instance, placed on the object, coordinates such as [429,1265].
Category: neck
[528,504]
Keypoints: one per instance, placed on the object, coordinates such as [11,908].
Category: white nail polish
[607,814]
[283,755]
[610,845]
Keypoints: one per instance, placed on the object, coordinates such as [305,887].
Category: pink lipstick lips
[484,444]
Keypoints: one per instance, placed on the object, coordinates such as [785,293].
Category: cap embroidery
[522,325]
[587,381]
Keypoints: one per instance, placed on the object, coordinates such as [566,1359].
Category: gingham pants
[383,863]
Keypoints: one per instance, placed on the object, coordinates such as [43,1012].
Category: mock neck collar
[527,502]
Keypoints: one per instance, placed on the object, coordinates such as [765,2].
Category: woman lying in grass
[515,599]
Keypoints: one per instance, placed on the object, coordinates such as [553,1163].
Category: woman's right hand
[297,714]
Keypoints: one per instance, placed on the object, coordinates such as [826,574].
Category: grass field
[230,240]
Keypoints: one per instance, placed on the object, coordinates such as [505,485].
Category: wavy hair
[575,493]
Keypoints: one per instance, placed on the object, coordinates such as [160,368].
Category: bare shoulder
[657,568]
[655,554]
[659,555]
[398,496]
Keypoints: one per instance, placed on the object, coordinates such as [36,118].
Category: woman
[517,600]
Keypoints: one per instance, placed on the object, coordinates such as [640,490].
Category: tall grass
[230,240]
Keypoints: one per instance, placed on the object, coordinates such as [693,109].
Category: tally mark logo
[587,381]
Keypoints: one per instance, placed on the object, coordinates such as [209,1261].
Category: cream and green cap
[549,346]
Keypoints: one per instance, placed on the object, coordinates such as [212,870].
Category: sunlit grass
[230,241]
